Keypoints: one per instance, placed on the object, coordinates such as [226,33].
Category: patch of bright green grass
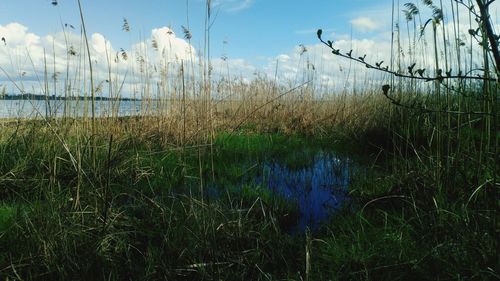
[7,214]
[258,143]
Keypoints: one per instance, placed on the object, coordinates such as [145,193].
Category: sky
[252,28]
[254,35]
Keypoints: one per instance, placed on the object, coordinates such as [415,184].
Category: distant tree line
[29,96]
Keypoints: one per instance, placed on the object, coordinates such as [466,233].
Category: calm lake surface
[71,108]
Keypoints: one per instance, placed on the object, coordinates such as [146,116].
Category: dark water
[318,188]
[315,182]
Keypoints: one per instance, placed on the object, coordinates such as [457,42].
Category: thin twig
[378,67]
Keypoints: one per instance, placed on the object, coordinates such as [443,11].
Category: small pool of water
[318,187]
[313,181]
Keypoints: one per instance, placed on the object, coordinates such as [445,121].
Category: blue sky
[253,29]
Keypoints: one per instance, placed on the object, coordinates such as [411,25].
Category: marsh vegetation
[194,183]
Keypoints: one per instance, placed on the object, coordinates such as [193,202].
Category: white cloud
[283,58]
[171,47]
[365,24]
[326,70]
[234,68]
[99,43]
[16,34]
[25,56]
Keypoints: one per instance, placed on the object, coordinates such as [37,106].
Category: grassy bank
[138,209]
[137,212]
[108,197]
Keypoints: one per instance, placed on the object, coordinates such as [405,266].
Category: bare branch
[415,106]
[412,75]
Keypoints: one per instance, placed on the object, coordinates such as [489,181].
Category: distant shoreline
[61,98]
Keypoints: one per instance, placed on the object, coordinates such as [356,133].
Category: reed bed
[91,195]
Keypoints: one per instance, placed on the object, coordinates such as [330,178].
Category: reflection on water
[72,108]
[318,189]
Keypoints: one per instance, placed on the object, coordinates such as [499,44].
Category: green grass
[7,216]
[394,239]
[256,143]
[137,215]
[129,198]
[141,215]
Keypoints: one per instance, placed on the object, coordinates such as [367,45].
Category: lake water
[73,108]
